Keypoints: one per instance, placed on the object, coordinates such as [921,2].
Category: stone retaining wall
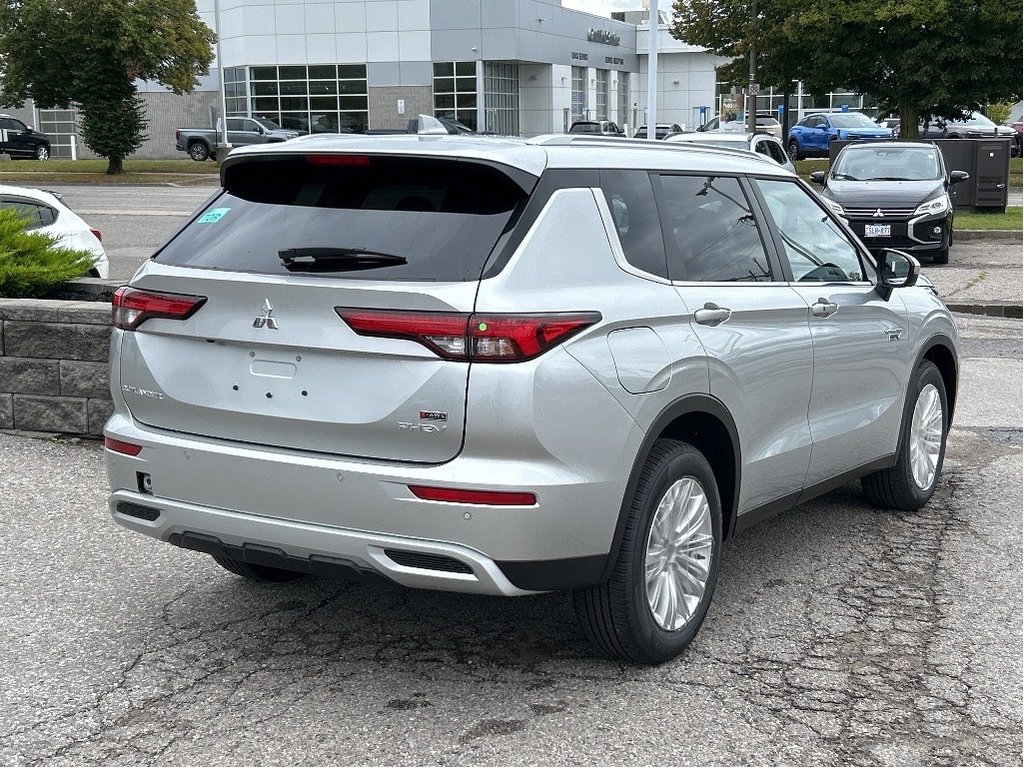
[53,366]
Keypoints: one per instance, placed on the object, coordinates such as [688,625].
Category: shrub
[31,263]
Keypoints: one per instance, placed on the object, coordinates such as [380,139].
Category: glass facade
[455,91]
[59,125]
[601,97]
[319,98]
[579,93]
[501,98]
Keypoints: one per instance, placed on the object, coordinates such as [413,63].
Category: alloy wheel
[926,437]
[678,555]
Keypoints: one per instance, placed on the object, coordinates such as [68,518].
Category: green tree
[916,56]
[90,53]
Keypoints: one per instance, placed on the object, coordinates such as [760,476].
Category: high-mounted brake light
[467,496]
[132,307]
[475,338]
[335,160]
[120,446]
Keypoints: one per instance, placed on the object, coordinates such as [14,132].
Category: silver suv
[505,367]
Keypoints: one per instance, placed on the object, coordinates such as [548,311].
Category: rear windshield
[440,218]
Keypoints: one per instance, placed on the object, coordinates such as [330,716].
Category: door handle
[823,308]
[712,314]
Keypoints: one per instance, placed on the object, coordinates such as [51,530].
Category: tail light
[471,338]
[97,235]
[132,307]
[469,496]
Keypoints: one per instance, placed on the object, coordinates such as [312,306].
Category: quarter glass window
[634,212]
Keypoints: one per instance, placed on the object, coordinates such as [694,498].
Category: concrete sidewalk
[982,277]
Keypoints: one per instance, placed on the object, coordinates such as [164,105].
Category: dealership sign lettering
[603,37]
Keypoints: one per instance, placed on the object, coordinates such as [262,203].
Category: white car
[46,213]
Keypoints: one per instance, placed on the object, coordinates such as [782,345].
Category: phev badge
[266,319]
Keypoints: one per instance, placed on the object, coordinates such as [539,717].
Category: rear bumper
[306,505]
[317,549]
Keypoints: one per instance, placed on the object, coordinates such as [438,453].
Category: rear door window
[711,231]
[413,218]
[36,214]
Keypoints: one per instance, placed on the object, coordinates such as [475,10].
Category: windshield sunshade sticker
[213,215]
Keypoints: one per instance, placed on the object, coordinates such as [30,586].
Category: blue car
[812,135]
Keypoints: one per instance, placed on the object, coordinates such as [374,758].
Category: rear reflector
[463,496]
[476,338]
[361,161]
[132,307]
[120,446]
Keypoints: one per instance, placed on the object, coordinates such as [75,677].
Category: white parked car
[46,213]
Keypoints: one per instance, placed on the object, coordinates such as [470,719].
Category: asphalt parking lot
[840,634]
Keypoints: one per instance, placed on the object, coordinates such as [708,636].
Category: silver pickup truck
[201,143]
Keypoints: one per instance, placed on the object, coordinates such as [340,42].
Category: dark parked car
[661,130]
[894,195]
[974,126]
[812,135]
[19,140]
[596,128]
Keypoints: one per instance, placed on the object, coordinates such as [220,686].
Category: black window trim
[768,240]
[36,203]
[866,259]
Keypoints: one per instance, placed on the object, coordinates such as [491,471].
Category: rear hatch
[266,358]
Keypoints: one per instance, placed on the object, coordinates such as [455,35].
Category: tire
[198,151]
[42,152]
[794,150]
[911,482]
[262,573]
[618,617]
[941,256]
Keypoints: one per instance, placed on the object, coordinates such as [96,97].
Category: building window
[625,99]
[501,98]
[319,98]
[455,91]
[236,91]
[579,93]
[59,125]
[601,102]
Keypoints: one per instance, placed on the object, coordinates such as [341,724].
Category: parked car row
[974,126]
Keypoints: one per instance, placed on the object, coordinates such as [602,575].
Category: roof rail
[566,140]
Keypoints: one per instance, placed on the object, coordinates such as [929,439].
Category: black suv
[20,140]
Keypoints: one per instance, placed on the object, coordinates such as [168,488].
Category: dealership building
[512,67]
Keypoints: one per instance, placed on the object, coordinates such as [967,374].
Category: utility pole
[223,147]
[750,100]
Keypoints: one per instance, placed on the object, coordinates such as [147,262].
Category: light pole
[223,147]
[652,72]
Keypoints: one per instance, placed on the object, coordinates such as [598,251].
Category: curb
[988,234]
[990,309]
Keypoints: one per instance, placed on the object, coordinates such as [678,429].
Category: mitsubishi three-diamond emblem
[879,214]
[266,320]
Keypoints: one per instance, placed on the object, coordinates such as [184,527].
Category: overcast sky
[605,7]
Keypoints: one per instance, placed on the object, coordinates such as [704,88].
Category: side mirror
[818,177]
[955,177]
[896,269]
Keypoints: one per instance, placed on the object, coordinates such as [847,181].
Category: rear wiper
[336,259]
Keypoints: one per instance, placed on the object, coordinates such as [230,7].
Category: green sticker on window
[213,215]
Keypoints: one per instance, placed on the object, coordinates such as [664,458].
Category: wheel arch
[705,423]
[939,350]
